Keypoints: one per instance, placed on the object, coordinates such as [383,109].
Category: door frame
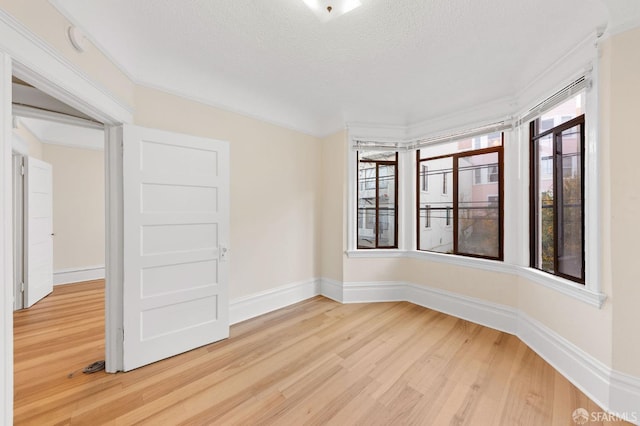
[31,59]
[17,160]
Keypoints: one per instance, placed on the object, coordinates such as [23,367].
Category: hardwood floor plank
[317,362]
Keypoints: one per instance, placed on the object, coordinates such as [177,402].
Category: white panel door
[38,256]
[176,230]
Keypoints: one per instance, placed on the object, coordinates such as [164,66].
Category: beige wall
[584,325]
[78,206]
[275,189]
[334,180]
[624,91]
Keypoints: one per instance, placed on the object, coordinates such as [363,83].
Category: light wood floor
[316,362]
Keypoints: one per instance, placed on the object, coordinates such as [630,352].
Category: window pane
[377,156]
[544,204]
[366,205]
[570,220]
[562,113]
[435,207]
[478,205]
[462,145]
[377,174]
[387,203]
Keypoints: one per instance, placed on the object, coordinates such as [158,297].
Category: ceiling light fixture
[326,10]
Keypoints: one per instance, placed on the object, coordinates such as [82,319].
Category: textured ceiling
[390,62]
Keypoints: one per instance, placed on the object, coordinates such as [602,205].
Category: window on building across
[557,191]
[445,183]
[466,218]
[377,200]
[424,178]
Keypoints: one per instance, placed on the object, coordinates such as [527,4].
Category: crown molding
[56,75]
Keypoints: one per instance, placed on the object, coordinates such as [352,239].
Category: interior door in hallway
[38,241]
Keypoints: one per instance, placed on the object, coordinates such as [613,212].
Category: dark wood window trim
[534,171]
[377,206]
[456,157]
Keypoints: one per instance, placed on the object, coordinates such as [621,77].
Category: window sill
[468,262]
[566,287]
[375,253]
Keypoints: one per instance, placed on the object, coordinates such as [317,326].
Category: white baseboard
[492,315]
[382,291]
[75,275]
[331,289]
[479,311]
[251,306]
[616,392]
[588,374]
[625,393]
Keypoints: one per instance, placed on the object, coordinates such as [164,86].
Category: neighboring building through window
[466,219]
[546,165]
[377,199]
[557,199]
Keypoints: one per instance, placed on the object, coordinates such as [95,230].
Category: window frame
[557,167]
[454,214]
[378,163]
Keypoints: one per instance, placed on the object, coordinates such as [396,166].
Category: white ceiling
[394,62]
[25,95]
[56,133]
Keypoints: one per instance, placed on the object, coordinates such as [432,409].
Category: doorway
[59,231]
[22,54]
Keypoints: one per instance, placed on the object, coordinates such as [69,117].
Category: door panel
[176,228]
[39,230]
